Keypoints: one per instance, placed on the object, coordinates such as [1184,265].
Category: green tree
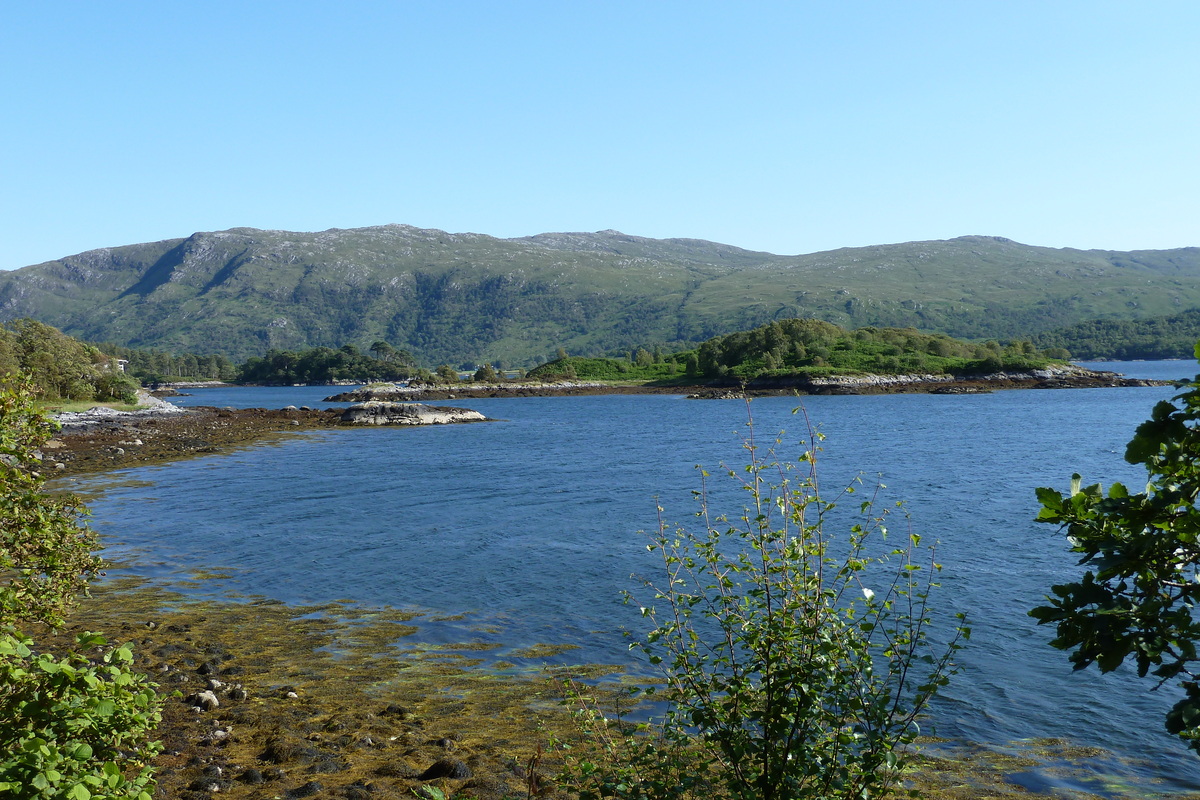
[73,729]
[486,374]
[796,661]
[446,374]
[59,366]
[382,350]
[1137,599]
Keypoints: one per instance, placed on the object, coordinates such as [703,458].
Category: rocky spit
[103,439]
[1066,376]
[1054,377]
[389,392]
[377,412]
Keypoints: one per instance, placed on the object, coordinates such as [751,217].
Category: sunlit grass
[56,406]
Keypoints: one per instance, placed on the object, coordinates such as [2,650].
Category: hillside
[452,297]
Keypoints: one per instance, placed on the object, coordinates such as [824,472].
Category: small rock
[216,737]
[307,790]
[396,771]
[446,768]
[252,777]
[207,700]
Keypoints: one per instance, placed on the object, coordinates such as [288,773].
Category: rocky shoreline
[1055,377]
[103,439]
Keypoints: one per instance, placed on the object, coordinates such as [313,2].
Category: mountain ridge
[470,296]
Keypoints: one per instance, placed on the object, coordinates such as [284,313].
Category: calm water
[531,524]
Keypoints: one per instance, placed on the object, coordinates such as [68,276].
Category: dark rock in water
[380,413]
[446,768]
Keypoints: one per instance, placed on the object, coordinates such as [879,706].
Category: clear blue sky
[783,126]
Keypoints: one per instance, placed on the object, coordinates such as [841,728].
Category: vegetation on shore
[795,659]
[1137,598]
[1127,339]
[794,348]
[76,725]
[59,367]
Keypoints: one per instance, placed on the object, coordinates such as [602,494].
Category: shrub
[116,386]
[71,728]
[796,661]
[1138,597]
[77,729]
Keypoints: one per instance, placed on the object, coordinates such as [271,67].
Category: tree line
[1128,339]
[811,347]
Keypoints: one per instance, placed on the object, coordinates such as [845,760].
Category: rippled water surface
[531,523]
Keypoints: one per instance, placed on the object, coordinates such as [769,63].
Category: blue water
[531,524]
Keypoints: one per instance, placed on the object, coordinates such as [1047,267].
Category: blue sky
[788,127]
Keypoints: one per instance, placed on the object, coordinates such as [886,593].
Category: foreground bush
[796,660]
[1137,599]
[76,726]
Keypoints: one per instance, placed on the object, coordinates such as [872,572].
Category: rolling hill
[450,297]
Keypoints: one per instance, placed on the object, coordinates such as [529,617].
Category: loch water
[530,526]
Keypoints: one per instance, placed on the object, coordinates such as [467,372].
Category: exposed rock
[252,777]
[307,790]
[1065,376]
[446,768]
[375,412]
[207,700]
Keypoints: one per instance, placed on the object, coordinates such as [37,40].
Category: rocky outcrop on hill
[377,412]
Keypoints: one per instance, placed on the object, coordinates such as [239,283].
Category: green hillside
[453,297]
